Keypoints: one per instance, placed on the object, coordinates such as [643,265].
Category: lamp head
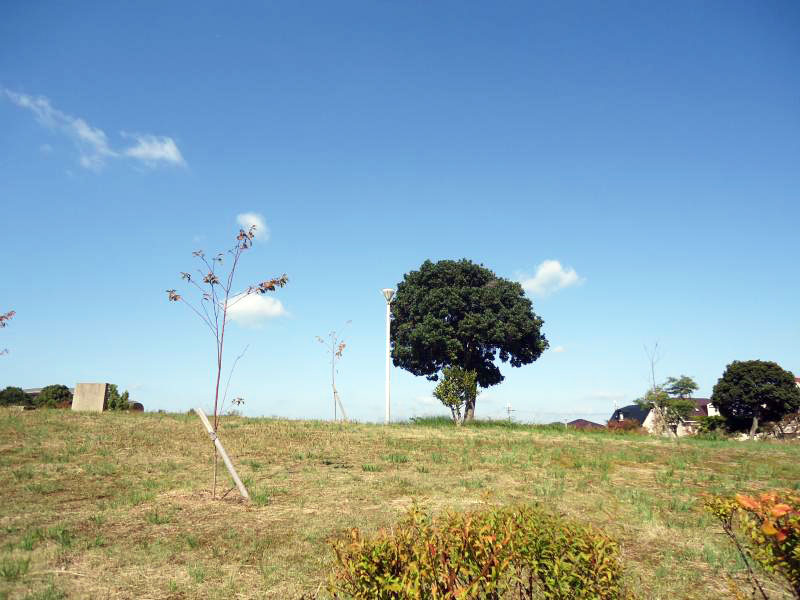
[388,293]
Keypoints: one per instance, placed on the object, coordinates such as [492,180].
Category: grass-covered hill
[119,505]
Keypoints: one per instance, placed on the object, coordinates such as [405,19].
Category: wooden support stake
[218,444]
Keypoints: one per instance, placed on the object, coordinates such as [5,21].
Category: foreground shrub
[517,552]
[765,529]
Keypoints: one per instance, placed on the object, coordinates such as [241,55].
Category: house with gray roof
[646,417]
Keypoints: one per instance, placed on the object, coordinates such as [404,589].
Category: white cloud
[559,349]
[254,309]
[92,142]
[247,220]
[151,149]
[550,277]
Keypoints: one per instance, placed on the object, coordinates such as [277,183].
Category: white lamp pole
[388,293]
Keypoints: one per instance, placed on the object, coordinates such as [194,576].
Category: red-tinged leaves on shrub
[768,527]
[518,550]
[747,502]
[780,510]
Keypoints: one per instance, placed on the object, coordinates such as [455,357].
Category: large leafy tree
[754,391]
[458,313]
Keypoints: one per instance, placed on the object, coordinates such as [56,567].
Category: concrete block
[90,397]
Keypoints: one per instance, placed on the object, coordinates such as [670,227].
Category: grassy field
[119,505]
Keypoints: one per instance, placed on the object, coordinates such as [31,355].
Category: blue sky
[651,149]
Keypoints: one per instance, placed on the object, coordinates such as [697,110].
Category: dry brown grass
[118,505]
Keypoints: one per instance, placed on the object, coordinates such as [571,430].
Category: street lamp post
[388,293]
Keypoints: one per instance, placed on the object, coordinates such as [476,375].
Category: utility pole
[509,410]
[388,294]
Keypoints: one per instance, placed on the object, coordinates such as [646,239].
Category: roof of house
[584,424]
[630,412]
[634,411]
[701,407]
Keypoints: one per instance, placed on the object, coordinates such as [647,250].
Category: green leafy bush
[117,401]
[516,552]
[712,425]
[457,390]
[13,396]
[54,396]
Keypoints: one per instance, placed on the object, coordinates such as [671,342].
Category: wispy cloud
[151,149]
[559,349]
[254,310]
[91,142]
[247,220]
[550,277]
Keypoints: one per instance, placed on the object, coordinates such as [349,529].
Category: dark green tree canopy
[14,396]
[458,313]
[755,390]
[52,396]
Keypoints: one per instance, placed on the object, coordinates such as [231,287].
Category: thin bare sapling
[334,345]
[216,298]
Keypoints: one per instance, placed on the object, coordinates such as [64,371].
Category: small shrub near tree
[14,396]
[54,396]
[518,552]
[457,390]
[712,426]
[765,529]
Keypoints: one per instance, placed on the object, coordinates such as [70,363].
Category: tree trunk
[469,411]
[753,427]
[469,405]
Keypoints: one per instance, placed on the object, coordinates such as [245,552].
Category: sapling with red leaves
[4,319]
[217,297]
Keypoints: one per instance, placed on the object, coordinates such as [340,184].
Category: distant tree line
[59,396]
